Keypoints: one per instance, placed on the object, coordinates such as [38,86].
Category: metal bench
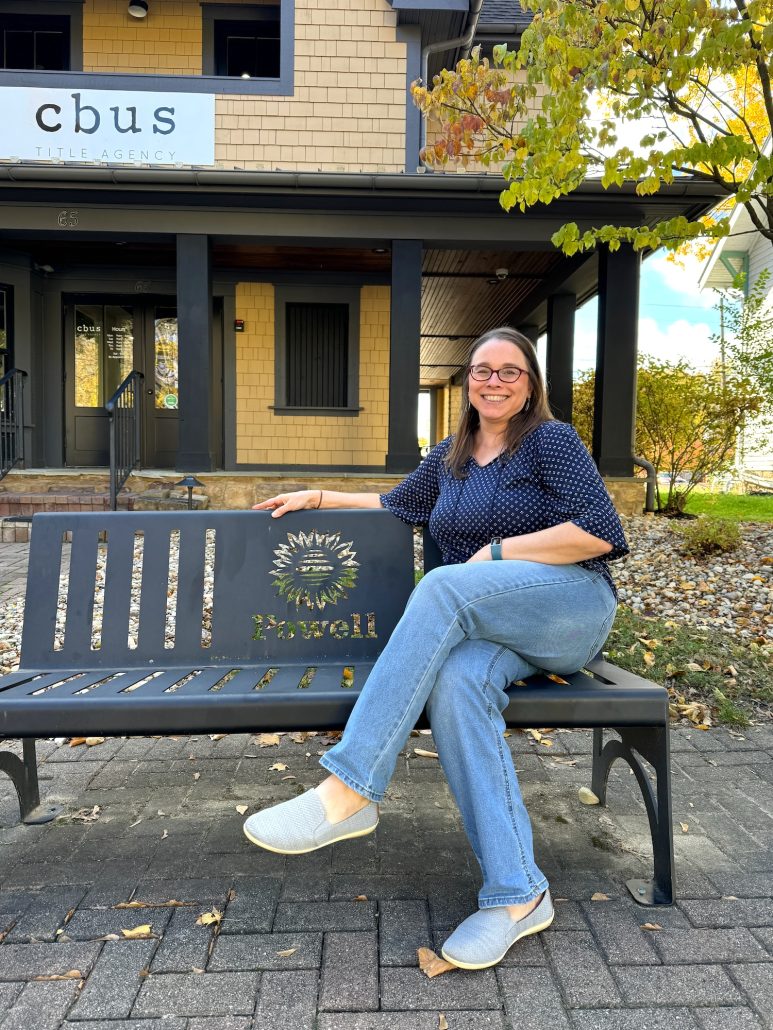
[300,609]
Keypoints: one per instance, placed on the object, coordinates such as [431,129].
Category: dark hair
[520,425]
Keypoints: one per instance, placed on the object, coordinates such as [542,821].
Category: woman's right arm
[315,499]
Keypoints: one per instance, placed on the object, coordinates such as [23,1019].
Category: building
[227,198]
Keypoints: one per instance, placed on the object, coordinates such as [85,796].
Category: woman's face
[494,400]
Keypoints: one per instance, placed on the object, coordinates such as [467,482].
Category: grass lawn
[733,678]
[740,507]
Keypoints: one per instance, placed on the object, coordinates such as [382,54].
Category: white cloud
[681,275]
[680,339]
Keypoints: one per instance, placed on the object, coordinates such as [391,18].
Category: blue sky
[675,319]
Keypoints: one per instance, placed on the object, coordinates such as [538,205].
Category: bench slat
[76,647]
[190,588]
[40,608]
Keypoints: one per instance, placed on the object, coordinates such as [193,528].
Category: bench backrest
[311,586]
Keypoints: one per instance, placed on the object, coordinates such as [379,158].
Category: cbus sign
[107,126]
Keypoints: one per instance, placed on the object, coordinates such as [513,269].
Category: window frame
[203,83]
[6,352]
[71,9]
[349,295]
[211,13]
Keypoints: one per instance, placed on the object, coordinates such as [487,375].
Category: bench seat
[300,609]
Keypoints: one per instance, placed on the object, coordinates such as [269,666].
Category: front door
[105,341]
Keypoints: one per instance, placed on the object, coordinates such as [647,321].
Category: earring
[526,406]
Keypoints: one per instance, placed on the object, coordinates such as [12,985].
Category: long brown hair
[520,425]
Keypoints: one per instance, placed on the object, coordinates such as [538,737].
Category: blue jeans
[467,632]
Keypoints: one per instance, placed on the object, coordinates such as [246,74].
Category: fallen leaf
[651,926]
[165,834]
[299,738]
[288,777]
[442,1022]
[136,823]
[87,815]
[73,974]
[196,776]
[587,797]
[214,916]
[599,896]
[430,964]
[694,667]
[109,937]
[267,739]
[155,904]
[287,952]
[216,736]
[138,931]
[93,741]
[556,679]
[241,809]
[361,897]
[196,969]
[649,658]
[76,741]
[424,754]
[685,827]
[278,766]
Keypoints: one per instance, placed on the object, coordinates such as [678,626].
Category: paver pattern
[328,941]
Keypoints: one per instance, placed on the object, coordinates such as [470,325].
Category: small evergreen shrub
[710,536]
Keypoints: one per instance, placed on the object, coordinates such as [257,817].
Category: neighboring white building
[743,250]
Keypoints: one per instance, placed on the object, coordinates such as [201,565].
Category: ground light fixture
[138,8]
[189,482]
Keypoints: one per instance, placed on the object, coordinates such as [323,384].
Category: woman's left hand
[484,554]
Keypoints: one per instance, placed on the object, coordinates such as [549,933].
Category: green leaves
[701,67]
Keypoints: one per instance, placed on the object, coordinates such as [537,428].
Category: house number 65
[67,219]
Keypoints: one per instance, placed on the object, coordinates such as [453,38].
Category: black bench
[300,609]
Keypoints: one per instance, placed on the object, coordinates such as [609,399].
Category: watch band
[496,549]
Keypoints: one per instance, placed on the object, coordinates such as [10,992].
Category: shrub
[710,536]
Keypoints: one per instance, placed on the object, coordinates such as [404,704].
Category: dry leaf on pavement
[424,754]
[361,897]
[287,952]
[442,1022]
[241,809]
[685,827]
[144,930]
[216,736]
[587,797]
[430,964]
[73,974]
[278,767]
[267,739]
[599,896]
[651,926]
[213,917]
[86,815]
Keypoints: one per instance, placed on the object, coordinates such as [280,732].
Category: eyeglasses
[508,374]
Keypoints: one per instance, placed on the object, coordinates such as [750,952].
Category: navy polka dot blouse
[551,479]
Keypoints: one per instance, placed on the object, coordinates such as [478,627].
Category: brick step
[32,503]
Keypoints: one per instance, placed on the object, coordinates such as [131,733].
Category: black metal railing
[124,411]
[11,420]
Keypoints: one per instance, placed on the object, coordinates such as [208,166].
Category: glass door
[99,354]
[162,387]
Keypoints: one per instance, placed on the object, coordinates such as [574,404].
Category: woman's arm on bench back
[300,499]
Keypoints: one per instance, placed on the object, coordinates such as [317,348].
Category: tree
[746,339]
[687,423]
[699,68]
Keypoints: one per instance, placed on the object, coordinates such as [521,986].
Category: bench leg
[652,744]
[24,776]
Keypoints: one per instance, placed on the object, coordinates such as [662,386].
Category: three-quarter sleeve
[414,498]
[570,476]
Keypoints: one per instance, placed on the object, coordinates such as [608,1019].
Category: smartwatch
[496,548]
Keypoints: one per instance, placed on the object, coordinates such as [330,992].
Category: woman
[526,528]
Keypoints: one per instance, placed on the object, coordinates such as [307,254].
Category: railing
[11,420]
[124,411]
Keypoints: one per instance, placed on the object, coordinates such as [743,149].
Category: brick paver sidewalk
[328,940]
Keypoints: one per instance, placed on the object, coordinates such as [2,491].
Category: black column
[194,328]
[531,332]
[404,340]
[560,353]
[615,398]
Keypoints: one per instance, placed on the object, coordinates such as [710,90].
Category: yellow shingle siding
[263,437]
[347,111]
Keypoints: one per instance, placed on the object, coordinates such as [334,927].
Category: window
[104,352]
[37,42]
[317,334]
[242,41]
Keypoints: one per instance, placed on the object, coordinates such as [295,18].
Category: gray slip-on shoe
[300,825]
[485,937]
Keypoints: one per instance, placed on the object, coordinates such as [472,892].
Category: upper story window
[242,41]
[35,42]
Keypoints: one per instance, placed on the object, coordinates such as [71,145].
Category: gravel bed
[731,592]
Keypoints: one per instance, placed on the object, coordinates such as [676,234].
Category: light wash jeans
[467,632]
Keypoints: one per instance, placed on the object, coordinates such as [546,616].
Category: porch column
[531,332]
[615,397]
[194,327]
[404,340]
[560,353]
